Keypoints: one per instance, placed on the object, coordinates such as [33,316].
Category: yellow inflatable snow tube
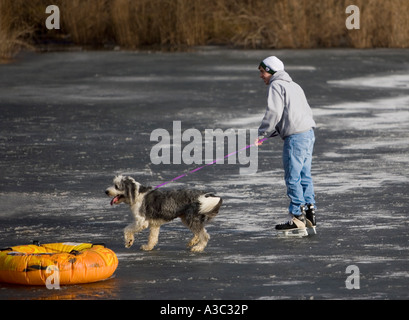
[74,263]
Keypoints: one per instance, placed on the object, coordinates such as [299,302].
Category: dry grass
[176,24]
[166,23]
[14,33]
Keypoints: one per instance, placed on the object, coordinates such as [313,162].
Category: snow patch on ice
[384,114]
[394,81]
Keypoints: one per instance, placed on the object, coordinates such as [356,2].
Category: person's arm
[274,111]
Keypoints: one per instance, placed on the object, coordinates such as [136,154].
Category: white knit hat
[272,64]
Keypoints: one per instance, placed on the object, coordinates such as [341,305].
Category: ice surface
[71,121]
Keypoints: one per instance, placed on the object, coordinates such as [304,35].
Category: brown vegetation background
[180,24]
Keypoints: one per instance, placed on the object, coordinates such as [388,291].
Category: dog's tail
[210,204]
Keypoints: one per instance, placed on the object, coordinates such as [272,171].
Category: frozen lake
[70,121]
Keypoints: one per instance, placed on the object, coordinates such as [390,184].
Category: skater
[289,115]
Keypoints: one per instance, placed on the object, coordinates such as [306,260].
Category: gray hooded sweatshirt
[288,111]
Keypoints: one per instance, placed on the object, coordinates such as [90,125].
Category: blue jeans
[297,157]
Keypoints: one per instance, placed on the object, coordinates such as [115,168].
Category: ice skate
[295,227]
[310,218]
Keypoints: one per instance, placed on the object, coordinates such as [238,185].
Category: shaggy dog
[152,208]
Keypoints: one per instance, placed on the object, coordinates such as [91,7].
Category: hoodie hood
[281,75]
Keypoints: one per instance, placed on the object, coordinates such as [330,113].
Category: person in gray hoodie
[289,116]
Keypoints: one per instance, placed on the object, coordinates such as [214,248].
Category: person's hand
[258,142]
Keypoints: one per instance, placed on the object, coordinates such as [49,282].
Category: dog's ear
[118,180]
[130,189]
[143,189]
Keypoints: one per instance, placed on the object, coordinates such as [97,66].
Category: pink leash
[209,164]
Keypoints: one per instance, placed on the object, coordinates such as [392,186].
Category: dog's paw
[129,241]
[128,244]
[193,242]
[197,248]
[146,247]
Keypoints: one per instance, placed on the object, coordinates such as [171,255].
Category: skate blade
[294,233]
[312,230]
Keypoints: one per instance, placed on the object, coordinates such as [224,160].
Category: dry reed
[178,24]
[14,31]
